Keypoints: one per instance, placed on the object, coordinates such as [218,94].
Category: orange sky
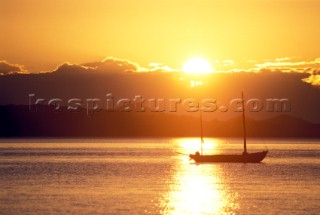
[43,34]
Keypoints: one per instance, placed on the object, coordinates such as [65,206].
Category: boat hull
[244,158]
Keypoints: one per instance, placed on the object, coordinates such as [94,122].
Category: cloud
[111,64]
[314,78]
[9,69]
[296,65]
[159,67]
[68,68]
[108,65]
[226,65]
[123,66]
[280,59]
[289,64]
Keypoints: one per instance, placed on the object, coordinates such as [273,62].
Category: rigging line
[180,153]
[201,133]
[265,145]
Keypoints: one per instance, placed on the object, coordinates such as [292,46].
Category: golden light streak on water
[199,189]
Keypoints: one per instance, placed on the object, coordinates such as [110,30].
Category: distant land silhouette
[16,121]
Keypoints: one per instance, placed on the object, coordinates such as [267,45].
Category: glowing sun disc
[197,66]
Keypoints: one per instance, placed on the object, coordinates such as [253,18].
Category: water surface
[155,176]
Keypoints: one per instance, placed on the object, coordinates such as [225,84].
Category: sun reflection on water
[199,189]
[191,145]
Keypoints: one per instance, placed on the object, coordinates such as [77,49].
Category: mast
[244,127]
[201,132]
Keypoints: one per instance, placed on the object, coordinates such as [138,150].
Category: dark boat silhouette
[245,157]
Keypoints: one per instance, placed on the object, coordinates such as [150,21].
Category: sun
[197,66]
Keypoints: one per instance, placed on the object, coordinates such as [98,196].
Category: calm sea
[153,176]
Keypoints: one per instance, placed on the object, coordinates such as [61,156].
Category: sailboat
[245,157]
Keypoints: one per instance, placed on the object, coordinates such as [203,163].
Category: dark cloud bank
[9,69]
[125,79]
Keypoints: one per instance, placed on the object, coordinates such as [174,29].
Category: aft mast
[244,127]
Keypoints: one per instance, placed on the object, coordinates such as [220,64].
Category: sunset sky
[107,105]
[200,48]
[230,34]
